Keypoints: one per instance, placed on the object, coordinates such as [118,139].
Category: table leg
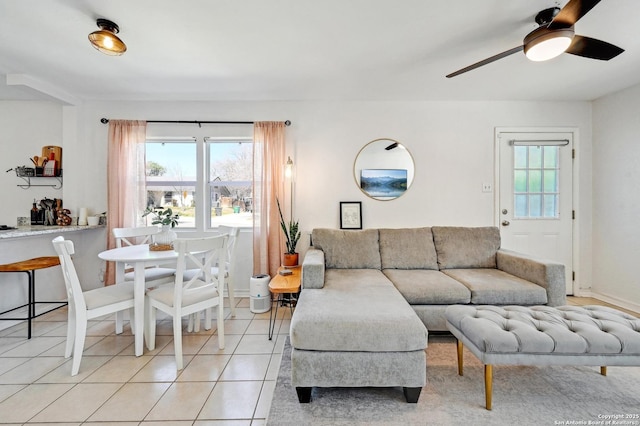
[119,279]
[272,326]
[138,307]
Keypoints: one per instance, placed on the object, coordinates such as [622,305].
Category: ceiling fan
[556,35]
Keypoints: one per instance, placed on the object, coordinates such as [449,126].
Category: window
[174,178]
[536,183]
[229,185]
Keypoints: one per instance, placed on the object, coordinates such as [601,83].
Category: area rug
[552,395]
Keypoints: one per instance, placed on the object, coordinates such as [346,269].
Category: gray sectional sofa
[369,296]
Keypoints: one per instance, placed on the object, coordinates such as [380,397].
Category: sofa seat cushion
[426,287]
[348,249]
[461,247]
[407,248]
[495,287]
[357,310]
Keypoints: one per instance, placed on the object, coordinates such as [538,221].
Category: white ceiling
[304,50]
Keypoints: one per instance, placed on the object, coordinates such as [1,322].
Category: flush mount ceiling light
[106,39]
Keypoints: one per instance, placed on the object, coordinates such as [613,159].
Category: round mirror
[383,169]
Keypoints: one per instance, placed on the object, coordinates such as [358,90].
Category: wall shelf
[29,184]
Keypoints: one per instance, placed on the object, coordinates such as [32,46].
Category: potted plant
[168,219]
[160,216]
[292,236]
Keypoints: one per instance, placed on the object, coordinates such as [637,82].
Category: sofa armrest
[544,273]
[313,269]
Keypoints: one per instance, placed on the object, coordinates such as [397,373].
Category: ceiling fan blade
[592,48]
[487,61]
[572,12]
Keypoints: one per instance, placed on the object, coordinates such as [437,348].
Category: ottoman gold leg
[603,370]
[460,358]
[488,385]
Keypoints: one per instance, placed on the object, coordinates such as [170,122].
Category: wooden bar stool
[30,267]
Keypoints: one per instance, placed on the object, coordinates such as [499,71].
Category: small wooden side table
[279,286]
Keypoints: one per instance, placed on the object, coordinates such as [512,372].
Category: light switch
[487,187]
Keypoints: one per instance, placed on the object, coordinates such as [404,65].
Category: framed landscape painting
[350,215]
[383,183]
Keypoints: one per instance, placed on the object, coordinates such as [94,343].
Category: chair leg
[32,300]
[190,325]
[119,322]
[221,324]
[71,331]
[177,339]
[207,319]
[78,347]
[232,301]
[132,320]
[150,331]
[196,324]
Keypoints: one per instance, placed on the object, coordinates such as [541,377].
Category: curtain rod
[199,123]
[545,142]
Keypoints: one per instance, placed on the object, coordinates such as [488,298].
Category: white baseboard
[635,307]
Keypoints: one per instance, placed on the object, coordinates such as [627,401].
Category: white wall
[451,142]
[25,127]
[616,199]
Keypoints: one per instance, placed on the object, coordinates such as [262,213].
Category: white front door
[535,205]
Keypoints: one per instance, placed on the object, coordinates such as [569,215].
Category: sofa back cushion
[407,248]
[459,247]
[348,249]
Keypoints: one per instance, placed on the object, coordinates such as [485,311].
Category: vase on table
[163,240]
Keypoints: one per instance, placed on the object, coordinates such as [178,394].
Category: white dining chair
[89,304]
[229,276]
[197,294]
[154,275]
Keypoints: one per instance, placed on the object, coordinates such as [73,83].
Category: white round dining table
[140,257]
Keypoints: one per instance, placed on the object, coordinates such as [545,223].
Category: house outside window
[208,181]
[230,171]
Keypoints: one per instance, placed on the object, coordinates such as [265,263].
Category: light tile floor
[233,386]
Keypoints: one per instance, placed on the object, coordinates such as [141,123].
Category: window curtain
[125,180]
[268,165]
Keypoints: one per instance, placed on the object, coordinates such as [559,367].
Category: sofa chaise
[369,296]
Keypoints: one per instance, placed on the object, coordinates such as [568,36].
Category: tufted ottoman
[542,335]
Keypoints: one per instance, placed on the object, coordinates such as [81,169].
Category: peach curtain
[125,180]
[268,165]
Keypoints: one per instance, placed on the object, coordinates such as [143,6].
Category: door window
[536,182]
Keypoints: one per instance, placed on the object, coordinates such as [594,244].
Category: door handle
[506,223]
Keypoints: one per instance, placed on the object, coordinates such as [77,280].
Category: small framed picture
[350,215]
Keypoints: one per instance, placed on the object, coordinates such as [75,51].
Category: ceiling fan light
[547,44]
[106,40]
[548,49]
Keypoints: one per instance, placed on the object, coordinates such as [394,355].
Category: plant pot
[290,259]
